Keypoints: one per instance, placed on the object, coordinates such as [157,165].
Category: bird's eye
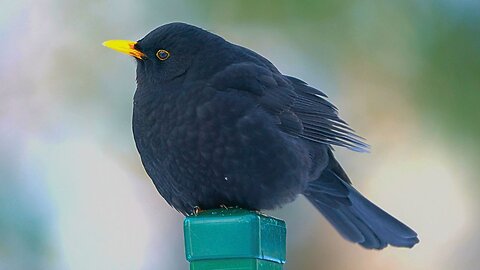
[163,55]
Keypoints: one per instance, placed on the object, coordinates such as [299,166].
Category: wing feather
[301,110]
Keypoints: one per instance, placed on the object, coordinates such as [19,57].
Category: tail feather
[344,224]
[355,217]
[392,230]
[370,238]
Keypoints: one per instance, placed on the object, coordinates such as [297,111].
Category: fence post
[227,239]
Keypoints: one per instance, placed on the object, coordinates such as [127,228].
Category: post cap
[234,233]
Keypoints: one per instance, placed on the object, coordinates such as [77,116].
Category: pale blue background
[405,75]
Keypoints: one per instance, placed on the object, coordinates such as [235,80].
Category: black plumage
[217,124]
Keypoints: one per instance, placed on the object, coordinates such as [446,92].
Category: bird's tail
[353,216]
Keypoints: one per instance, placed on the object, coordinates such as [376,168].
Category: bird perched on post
[217,124]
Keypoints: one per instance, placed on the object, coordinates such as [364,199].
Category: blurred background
[405,75]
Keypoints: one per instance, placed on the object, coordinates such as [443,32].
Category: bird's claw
[196,210]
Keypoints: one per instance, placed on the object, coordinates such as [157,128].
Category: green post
[234,239]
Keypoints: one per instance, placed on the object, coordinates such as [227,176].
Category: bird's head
[169,51]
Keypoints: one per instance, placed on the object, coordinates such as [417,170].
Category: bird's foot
[196,210]
[259,212]
[223,206]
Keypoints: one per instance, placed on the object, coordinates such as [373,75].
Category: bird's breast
[186,129]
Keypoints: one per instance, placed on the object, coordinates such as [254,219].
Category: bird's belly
[222,153]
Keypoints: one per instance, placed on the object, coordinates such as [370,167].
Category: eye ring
[163,55]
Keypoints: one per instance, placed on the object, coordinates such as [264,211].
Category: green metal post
[234,239]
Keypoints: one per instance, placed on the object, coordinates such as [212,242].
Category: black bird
[217,124]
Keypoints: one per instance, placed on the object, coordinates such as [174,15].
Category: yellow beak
[124,46]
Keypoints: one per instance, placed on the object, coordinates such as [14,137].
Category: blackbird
[217,124]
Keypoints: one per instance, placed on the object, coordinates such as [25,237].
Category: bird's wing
[300,110]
